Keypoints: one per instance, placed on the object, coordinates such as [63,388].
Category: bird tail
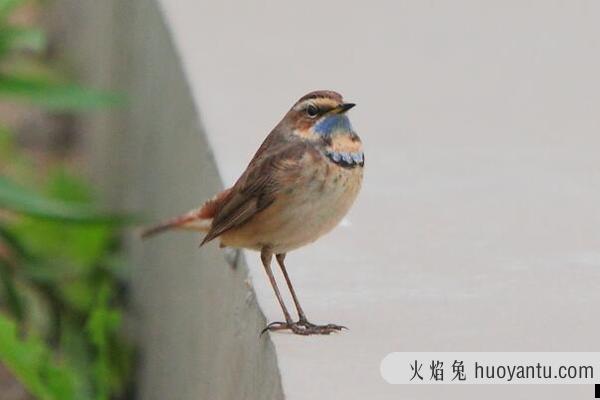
[190,220]
[199,219]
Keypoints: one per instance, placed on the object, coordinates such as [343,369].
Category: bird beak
[342,108]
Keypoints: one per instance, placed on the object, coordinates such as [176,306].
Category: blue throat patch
[345,159]
[333,123]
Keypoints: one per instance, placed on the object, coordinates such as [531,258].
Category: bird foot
[303,327]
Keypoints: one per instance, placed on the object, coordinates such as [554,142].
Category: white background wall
[478,225]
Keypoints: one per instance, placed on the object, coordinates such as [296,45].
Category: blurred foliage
[17,198]
[24,77]
[61,282]
[31,360]
[61,278]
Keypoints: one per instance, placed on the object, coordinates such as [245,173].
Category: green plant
[61,281]
[25,77]
[61,277]
[31,360]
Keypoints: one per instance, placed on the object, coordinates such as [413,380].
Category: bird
[299,185]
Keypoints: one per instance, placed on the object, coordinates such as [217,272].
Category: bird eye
[312,110]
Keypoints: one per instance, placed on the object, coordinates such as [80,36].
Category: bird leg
[301,316]
[266,255]
[310,328]
[302,326]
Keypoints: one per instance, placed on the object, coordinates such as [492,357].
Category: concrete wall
[196,317]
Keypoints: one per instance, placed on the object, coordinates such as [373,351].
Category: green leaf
[76,248]
[75,347]
[31,361]
[20,200]
[17,38]
[12,241]
[66,186]
[55,96]
[7,6]
[33,269]
[13,297]
[111,362]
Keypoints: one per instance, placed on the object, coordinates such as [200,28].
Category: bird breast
[310,203]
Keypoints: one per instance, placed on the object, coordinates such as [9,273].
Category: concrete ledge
[196,316]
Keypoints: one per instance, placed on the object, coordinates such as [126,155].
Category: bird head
[320,115]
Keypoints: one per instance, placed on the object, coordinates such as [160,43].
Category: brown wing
[258,186]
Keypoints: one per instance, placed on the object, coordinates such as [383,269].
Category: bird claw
[303,327]
[274,326]
[303,322]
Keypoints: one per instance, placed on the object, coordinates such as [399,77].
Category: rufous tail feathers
[189,220]
[199,219]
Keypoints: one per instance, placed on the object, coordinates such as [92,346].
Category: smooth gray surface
[195,318]
[478,225]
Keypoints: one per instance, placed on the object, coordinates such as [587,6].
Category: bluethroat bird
[298,186]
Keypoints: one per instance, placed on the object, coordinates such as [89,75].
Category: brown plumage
[297,187]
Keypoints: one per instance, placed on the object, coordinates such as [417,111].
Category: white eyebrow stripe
[322,102]
[302,105]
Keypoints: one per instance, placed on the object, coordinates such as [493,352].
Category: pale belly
[303,212]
